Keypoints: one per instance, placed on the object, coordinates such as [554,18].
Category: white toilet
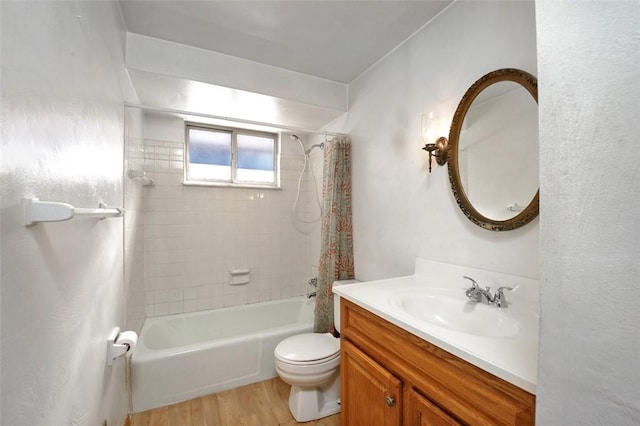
[310,363]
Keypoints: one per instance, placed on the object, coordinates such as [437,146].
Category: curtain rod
[235,120]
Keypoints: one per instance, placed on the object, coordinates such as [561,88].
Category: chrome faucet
[478,294]
[313,282]
[499,298]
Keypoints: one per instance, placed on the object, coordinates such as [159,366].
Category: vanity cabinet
[371,395]
[422,412]
[392,377]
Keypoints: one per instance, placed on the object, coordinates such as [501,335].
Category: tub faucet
[478,294]
[311,295]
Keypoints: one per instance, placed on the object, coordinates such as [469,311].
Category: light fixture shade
[430,126]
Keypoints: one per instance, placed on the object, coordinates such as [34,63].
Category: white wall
[589,63]
[589,361]
[134,220]
[62,283]
[400,210]
[194,235]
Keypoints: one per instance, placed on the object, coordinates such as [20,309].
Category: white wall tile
[203,304]
[160,309]
[194,235]
[217,302]
[190,306]
[148,309]
[176,307]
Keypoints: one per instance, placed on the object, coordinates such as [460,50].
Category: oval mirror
[493,150]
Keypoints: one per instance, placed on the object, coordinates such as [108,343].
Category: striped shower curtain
[336,252]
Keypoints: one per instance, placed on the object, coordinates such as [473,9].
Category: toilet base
[315,402]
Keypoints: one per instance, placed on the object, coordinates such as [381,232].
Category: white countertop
[513,359]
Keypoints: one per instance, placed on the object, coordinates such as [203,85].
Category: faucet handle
[474,284]
[499,298]
[471,292]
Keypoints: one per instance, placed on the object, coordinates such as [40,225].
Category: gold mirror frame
[530,83]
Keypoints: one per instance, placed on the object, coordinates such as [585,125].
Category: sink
[455,312]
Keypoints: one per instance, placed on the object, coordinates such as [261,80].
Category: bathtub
[180,357]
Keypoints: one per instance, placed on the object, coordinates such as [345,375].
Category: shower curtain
[336,252]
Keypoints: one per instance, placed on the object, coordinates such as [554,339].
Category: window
[220,155]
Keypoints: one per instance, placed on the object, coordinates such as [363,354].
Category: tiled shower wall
[195,235]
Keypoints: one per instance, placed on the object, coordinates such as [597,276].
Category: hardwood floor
[259,404]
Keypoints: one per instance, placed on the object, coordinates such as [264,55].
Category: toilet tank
[336,302]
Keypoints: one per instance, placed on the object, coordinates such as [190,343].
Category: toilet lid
[308,347]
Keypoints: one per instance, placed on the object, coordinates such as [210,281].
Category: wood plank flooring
[259,404]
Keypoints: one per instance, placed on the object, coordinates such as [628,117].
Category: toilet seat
[308,363]
[308,349]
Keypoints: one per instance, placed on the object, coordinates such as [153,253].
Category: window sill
[231,185]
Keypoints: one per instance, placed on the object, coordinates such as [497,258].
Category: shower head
[296,138]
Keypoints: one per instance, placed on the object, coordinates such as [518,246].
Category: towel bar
[52,211]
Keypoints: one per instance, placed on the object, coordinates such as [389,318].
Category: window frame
[234,132]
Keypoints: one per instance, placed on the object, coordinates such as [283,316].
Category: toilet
[310,363]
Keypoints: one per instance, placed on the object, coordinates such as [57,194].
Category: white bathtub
[180,357]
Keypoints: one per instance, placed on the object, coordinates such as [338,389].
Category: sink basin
[455,312]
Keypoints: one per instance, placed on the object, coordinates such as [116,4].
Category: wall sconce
[430,129]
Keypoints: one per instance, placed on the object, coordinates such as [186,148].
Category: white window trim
[233,183]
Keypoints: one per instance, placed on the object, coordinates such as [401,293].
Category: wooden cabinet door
[422,412]
[370,394]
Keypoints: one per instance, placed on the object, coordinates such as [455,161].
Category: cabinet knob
[390,401]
